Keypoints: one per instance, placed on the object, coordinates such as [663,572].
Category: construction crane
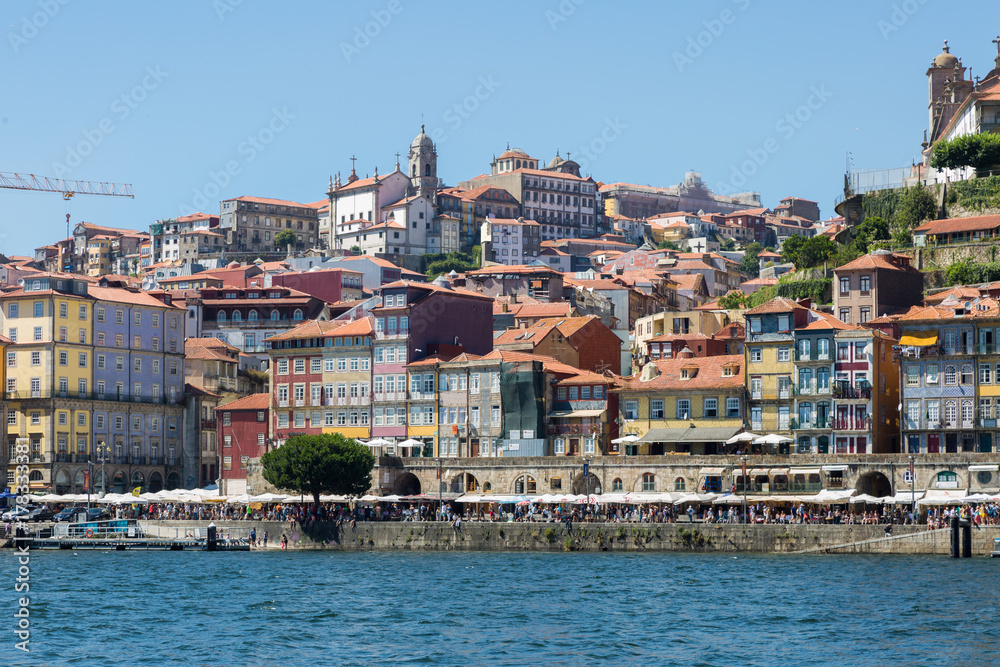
[69,189]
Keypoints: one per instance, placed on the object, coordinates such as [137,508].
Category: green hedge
[817,290]
[976,194]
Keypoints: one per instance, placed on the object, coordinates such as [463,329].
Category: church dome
[945,58]
[422,140]
[556,161]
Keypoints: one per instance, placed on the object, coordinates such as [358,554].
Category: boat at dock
[129,534]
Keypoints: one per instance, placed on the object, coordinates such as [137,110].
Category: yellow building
[770,342]
[99,255]
[48,370]
[687,404]
[423,403]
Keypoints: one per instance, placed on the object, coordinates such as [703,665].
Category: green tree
[727,245]
[870,230]
[356,249]
[751,262]
[815,251]
[978,151]
[315,464]
[790,249]
[285,237]
[734,300]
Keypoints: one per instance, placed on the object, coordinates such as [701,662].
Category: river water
[399,608]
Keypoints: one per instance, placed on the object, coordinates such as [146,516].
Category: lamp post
[744,478]
[911,487]
[103,449]
[586,477]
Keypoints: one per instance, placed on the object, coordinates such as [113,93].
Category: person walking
[265,539]
[690,514]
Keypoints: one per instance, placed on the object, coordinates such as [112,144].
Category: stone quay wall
[549,536]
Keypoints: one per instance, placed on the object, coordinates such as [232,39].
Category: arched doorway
[173,481]
[155,482]
[62,482]
[580,484]
[407,484]
[137,479]
[874,484]
[118,482]
[525,484]
[80,482]
[463,483]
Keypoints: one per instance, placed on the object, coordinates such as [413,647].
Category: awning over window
[919,338]
[704,434]
[576,413]
[803,471]
[712,472]
[835,468]
[984,467]
[779,471]
[757,472]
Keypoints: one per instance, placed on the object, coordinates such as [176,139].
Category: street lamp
[911,487]
[744,478]
[102,450]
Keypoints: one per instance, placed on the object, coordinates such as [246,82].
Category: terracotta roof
[956,225]
[431,360]
[197,390]
[118,295]
[196,216]
[207,353]
[549,364]
[709,375]
[585,377]
[251,402]
[961,292]
[431,287]
[691,281]
[778,304]
[514,269]
[766,282]
[359,327]
[556,309]
[196,276]
[666,338]
[878,261]
[823,321]
[308,329]
[209,342]
[265,200]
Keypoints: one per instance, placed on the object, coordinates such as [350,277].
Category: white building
[510,242]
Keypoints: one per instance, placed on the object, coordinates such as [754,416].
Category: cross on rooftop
[353,159]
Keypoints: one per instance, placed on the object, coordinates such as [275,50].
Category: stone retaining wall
[486,536]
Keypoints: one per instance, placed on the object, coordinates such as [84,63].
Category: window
[648,481]
[950,375]
[984,374]
[912,375]
[932,374]
[36,358]
[843,352]
[784,323]
[631,409]
[282,366]
[656,409]
[300,366]
[866,314]
[845,285]
[732,407]
[683,408]
[966,377]
[616,485]
[711,408]
[119,316]
[866,284]
[495,415]
[784,354]
[756,355]
[845,315]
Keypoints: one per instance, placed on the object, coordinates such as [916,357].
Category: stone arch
[155,482]
[680,484]
[407,484]
[118,482]
[62,482]
[617,485]
[173,481]
[138,479]
[80,480]
[875,484]
[580,484]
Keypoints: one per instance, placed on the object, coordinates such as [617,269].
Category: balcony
[812,356]
[847,392]
[62,457]
[209,424]
[756,396]
[987,348]
[138,460]
[951,351]
[119,460]
[155,460]
[88,396]
[849,424]
[392,335]
[81,457]
[784,393]
[581,429]
[812,424]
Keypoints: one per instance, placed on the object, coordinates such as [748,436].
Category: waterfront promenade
[551,536]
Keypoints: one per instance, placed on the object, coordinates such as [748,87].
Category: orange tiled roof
[778,304]
[265,200]
[957,225]
[878,261]
[251,402]
[709,375]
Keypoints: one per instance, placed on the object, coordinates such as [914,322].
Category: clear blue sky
[164,95]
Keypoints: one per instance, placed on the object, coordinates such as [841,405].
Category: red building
[330,285]
[243,435]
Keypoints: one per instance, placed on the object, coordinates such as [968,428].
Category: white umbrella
[746,436]
[772,439]
[631,437]
[268,498]
[865,498]
[241,499]
[410,442]
[378,442]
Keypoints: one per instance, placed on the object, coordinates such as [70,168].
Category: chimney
[513,298]
[686,353]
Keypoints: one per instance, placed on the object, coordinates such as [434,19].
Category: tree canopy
[315,464]
[284,238]
[970,150]
[868,231]
[751,262]
[806,253]
[437,263]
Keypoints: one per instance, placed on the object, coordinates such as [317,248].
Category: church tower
[947,88]
[423,166]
